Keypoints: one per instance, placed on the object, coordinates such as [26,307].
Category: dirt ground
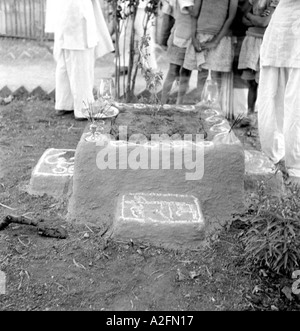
[86,271]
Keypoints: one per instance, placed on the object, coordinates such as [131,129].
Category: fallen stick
[42,228]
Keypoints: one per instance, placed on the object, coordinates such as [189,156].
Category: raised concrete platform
[97,190]
[157,206]
[52,174]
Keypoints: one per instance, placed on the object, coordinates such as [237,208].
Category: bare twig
[43,229]
[21,242]
[237,120]
[89,228]
[79,265]
[209,273]
[3,205]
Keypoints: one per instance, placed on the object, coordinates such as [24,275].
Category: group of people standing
[201,39]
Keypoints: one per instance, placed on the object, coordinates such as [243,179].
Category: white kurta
[81,35]
[279,87]
[281,43]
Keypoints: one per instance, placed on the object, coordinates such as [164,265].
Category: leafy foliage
[153,78]
[273,237]
[122,12]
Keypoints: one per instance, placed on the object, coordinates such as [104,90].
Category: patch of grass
[272,240]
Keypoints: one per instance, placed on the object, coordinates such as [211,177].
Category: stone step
[169,220]
[53,173]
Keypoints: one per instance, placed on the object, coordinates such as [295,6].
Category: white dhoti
[279,115]
[74,80]
[81,36]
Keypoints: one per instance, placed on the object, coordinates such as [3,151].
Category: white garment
[279,115]
[74,80]
[281,43]
[124,38]
[78,25]
[81,35]
[278,90]
[2,22]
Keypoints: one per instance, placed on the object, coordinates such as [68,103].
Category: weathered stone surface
[259,168]
[53,173]
[170,220]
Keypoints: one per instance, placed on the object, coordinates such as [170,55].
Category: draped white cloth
[281,43]
[78,25]
[278,93]
[80,36]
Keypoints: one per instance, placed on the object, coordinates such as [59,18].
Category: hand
[209,45]
[246,21]
[197,45]
[266,13]
[248,16]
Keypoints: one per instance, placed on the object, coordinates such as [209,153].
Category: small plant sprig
[236,121]
[89,110]
[100,105]
[153,79]
[272,240]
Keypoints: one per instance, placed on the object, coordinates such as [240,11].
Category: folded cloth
[217,59]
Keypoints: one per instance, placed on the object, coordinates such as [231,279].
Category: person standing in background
[178,41]
[211,45]
[257,18]
[80,36]
[278,90]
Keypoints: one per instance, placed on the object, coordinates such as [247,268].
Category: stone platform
[160,206]
[53,173]
[171,220]
[102,179]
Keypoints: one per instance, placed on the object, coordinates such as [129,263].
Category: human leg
[184,79]
[80,65]
[63,96]
[172,75]
[252,96]
[176,56]
[201,79]
[270,101]
[292,122]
